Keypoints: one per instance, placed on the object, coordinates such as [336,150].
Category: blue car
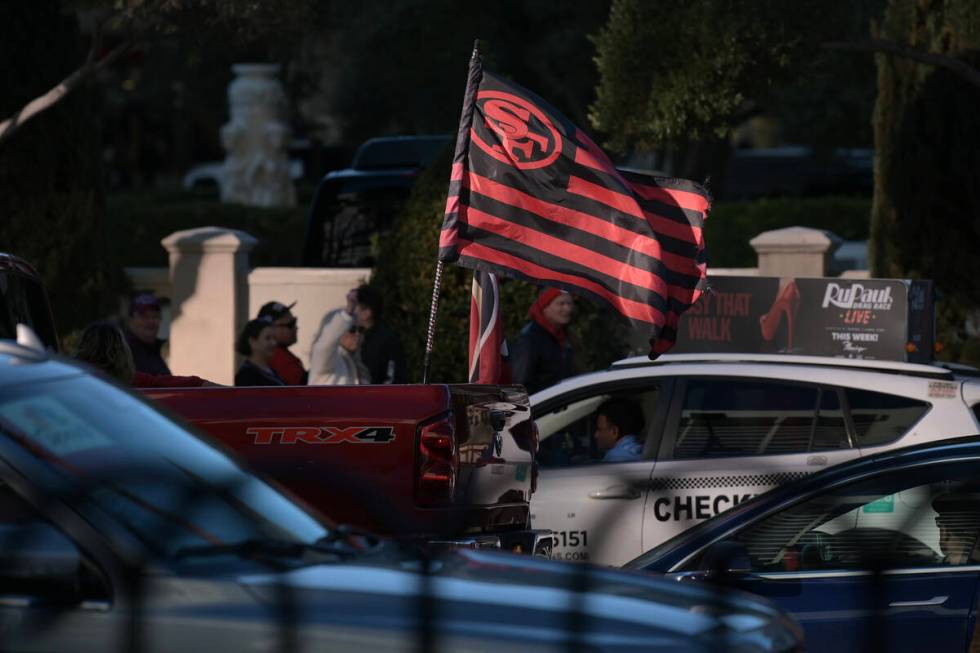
[876,554]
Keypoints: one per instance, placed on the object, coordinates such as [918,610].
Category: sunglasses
[289,325]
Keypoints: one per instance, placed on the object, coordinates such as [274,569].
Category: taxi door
[594,508]
[728,439]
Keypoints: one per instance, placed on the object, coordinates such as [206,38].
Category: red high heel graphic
[786,303]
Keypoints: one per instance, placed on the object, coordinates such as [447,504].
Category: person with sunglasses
[283,362]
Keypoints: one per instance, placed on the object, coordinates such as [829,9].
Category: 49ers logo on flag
[515,131]
[322,435]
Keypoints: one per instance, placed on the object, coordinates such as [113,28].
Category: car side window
[38,563]
[732,417]
[892,519]
[881,418]
[567,433]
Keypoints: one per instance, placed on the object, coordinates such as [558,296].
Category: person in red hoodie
[284,363]
[542,354]
[104,346]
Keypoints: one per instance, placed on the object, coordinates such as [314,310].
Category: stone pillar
[256,167]
[794,252]
[209,276]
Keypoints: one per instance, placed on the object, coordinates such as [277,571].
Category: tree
[387,67]
[699,68]
[924,217]
[135,23]
[51,151]
[52,200]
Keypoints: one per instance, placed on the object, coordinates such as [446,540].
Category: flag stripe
[480,257]
[662,209]
[486,332]
[601,227]
[559,195]
[624,249]
[677,301]
[681,193]
[628,204]
[474,254]
[566,250]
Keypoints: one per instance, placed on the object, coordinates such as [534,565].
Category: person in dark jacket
[381,348]
[103,346]
[542,354]
[142,328]
[257,343]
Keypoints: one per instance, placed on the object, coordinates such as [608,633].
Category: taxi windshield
[168,488]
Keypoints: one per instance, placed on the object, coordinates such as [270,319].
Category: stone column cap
[796,239]
[209,239]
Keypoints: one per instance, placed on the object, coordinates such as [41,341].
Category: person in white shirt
[335,359]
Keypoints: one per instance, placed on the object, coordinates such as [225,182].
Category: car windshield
[168,488]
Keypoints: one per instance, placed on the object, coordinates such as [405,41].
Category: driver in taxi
[617,424]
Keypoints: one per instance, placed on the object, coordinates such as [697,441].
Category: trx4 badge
[321,435]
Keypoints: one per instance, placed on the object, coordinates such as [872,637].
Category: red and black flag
[486,330]
[531,196]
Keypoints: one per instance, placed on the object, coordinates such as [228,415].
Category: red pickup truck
[431,462]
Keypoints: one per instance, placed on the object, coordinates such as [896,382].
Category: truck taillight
[438,463]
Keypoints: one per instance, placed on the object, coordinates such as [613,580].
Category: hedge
[732,225]
[139,220]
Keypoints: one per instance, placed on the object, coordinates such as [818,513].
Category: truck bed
[424,461]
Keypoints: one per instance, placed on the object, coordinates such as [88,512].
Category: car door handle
[615,492]
[936,600]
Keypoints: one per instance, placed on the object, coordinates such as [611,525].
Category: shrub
[732,225]
[139,220]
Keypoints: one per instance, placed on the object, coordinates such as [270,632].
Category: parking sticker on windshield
[47,423]
[884,504]
[943,389]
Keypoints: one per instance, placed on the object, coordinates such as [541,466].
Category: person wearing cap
[142,327]
[542,354]
[283,362]
[335,359]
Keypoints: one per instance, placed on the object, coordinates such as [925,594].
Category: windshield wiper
[265,548]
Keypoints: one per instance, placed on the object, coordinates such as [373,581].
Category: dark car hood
[524,599]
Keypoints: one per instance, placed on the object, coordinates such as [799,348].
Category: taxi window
[730,417]
[881,418]
[567,433]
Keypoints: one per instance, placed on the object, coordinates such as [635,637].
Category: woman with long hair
[103,345]
[257,342]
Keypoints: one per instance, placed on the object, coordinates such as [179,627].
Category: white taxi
[719,429]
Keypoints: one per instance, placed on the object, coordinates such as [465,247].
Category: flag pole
[462,141]
[431,331]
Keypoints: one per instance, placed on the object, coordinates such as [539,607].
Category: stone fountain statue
[256,166]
